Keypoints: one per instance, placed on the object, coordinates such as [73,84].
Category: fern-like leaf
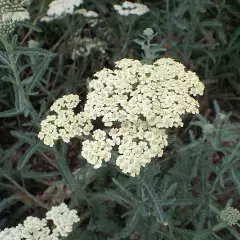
[106,226]
[117,197]
[4,58]
[27,155]
[39,175]
[28,25]
[153,197]
[11,113]
[38,73]
[34,52]
[131,223]
[27,137]
[125,191]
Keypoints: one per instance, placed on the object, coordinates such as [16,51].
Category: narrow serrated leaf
[6,202]
[27,155]
[156,203]
[211,23]
[234,37]
[39,175]
[4,58]
[235,178]
[65,171]
[28,137]
[29,26]
[11,113]
[34,51]
[10,151]
[38,73]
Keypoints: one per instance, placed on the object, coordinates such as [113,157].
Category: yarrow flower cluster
[230,215]
[11,11]
[91,17]
[137,104]
[11,5]
[99,149]
[148,32]
[6,27]
[60,8]
[87,13]
[143,101]
[64,123]
[16,16]
[129,8]
[34,228]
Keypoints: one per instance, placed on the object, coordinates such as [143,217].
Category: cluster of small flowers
[16,16]
[60,8]
[34,228]
[64,123]
[144,101]
[87,13]
[99,149]
[6,27]
[86,46]
[91,16]
[94,21]
[11,5]
[148,32]
[230,215]
[137,104]
[138,143]
[11,11]
[129,8]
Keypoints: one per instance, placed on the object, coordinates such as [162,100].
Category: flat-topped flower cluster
[230,215]
[11,5]
[34,228]
[12,11]
[60,8]
[136,103]
[129,8]
[64,123]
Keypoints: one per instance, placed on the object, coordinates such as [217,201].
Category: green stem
[127,36]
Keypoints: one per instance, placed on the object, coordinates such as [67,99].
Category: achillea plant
[136,103]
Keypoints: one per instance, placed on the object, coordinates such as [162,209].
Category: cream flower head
[60,8]
[34,228]
[230,215]
[137,103]
[129,8]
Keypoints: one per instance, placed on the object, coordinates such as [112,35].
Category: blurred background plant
[179,196]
